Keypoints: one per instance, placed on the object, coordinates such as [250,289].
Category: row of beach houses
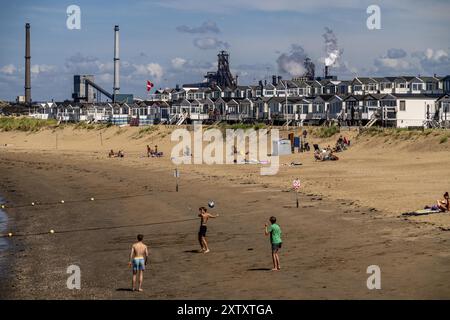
[391,101]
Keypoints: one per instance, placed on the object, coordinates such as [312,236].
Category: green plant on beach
[25,124]
[327,132]
[84,125]
[443,139]
[145,131]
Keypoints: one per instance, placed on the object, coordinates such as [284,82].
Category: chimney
[237,80]
[116,62]
[274,80]
[279,79]
[27,65]
[326,72]
[265,82]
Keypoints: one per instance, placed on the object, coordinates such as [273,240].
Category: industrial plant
[308,99]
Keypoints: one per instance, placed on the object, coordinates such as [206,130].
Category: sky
[173,42]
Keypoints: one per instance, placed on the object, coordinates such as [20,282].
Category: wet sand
[328,242]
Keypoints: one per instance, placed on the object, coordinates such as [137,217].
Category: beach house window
[402,85]
[402,105]
[357,88]
[290,109]
[417,86]
[305,109]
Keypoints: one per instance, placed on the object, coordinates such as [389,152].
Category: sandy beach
[350,217]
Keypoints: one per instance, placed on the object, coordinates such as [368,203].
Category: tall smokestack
[27,65]
[116,62]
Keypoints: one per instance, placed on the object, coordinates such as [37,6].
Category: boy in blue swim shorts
[138,261]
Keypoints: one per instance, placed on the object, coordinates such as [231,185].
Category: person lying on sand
[444,205]
[204,216]
[274,231]
[138,260]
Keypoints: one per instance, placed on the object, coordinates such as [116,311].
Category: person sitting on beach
[340,145]
[444,205]
[346,142]
[120,154]
[149,151]
[111,153]
[318,155]
[138,261]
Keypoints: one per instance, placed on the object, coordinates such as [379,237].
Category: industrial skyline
[169,44]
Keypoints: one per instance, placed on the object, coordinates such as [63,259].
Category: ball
[52,231]
[10,234]
[92,199]
[211,204]
[62,201]
[32,203]
[3,206]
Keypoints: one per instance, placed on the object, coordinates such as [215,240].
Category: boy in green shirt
[274,231]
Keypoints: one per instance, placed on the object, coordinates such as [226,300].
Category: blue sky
[176,41]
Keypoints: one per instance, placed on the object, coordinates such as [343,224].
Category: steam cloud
[331,47]
[293,62]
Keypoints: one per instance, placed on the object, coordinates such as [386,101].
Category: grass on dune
[25,124]
[326,132]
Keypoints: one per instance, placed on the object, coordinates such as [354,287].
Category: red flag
[150,85]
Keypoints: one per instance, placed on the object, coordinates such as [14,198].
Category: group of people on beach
[153,152]
[119,154]
[150,153]
[329,153]
[140,252]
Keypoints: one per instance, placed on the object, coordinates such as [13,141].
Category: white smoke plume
[331,47]
[292,63]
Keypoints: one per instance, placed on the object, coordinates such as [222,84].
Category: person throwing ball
[204,217]
[274,231]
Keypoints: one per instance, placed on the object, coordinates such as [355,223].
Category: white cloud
[434,60]
[152,69]
[8,69]
[178,63]
[208,26]
[210,43]
[42,68]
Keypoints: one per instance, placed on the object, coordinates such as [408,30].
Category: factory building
[82,92]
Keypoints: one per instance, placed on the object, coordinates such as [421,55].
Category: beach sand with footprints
[350,217]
